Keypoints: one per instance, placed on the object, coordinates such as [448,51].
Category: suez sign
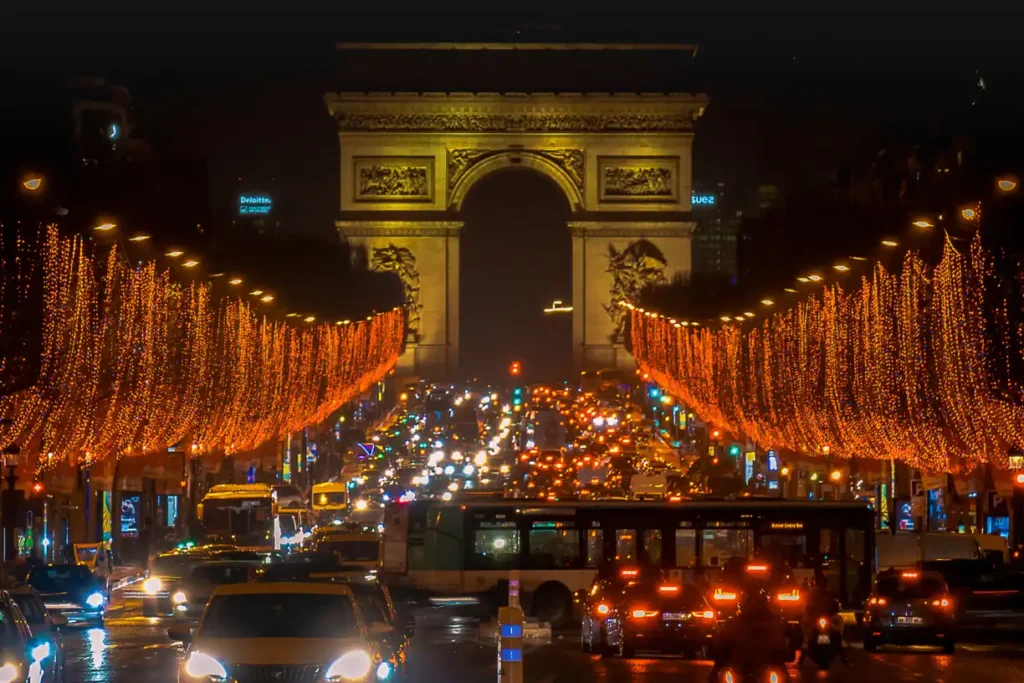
[702,199]
[254,204]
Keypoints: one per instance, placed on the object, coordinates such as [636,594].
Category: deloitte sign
[254,204]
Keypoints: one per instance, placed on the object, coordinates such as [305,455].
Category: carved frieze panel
[511,123]
[393,179]
[638,179]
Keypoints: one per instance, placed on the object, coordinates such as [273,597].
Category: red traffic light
[716,434]
[38,487]
[516,367]
[1018,479]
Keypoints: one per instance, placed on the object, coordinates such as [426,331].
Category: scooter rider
[822,602]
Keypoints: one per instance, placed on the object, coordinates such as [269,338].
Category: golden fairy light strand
[898,366]
[133,363]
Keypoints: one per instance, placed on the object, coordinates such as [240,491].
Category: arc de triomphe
[623,161]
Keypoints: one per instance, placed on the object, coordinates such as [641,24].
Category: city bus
[240,514]
[468,549]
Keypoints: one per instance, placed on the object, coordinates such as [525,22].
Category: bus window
[790,549]
[625,545]
[554,548]
[595,547]
[686,548]
[721,544]
[495,547]
[652,547]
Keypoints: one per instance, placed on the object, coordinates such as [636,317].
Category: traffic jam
[539,480]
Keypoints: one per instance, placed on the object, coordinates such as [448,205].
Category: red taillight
[757,568]
[603,609]
[629,573]
[944,602]
[640,613]
[791,596]
[723,596]
[668,589]
[706,614]
[878,601]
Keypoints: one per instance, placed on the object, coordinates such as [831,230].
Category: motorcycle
[824,643]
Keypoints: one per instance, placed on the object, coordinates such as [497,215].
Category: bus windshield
[247,521]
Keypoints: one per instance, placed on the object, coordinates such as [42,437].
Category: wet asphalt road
[135,649]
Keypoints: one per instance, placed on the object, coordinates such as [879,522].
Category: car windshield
[351,551]
[59,578]
[218,575]
[280,615]
[31,607]
[898,588]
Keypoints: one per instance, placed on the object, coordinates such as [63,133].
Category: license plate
[673,616]
[908,620]
[824,639]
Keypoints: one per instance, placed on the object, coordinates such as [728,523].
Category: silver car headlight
[351,666]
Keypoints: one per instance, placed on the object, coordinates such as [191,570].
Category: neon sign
[253,204]
[702,199]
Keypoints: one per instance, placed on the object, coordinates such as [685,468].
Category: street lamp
[1006,184]
[923,223]
[32,184]
[105,227]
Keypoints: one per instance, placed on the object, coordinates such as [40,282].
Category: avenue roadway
[135,649]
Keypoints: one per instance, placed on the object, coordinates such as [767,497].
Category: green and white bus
[468,549]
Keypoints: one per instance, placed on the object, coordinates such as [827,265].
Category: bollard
[510,644]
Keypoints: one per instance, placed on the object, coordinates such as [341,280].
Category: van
[908,548]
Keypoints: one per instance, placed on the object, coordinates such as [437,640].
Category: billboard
[254,204]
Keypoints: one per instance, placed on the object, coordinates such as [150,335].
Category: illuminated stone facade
[408,162]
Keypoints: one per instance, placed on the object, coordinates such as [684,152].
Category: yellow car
[296,632]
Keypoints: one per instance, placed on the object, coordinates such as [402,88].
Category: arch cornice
[536,160]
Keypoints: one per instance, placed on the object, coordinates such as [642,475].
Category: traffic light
[655,392]
[734,450]
[716,434]
[38,488]
[516,368]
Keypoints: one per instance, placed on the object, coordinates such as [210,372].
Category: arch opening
[515,259]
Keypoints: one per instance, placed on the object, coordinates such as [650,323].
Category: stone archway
[623,161]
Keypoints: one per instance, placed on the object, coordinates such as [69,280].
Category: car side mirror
[58,620]
[180,633]
[379,628]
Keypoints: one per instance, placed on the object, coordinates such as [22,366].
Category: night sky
[792,95]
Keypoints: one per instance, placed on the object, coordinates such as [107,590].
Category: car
[911,607]
[658,616]
[45,628]
[287,631]
[24,656]
[71,591]
[354,547]
[193,591]
[165,573]
[375,601]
